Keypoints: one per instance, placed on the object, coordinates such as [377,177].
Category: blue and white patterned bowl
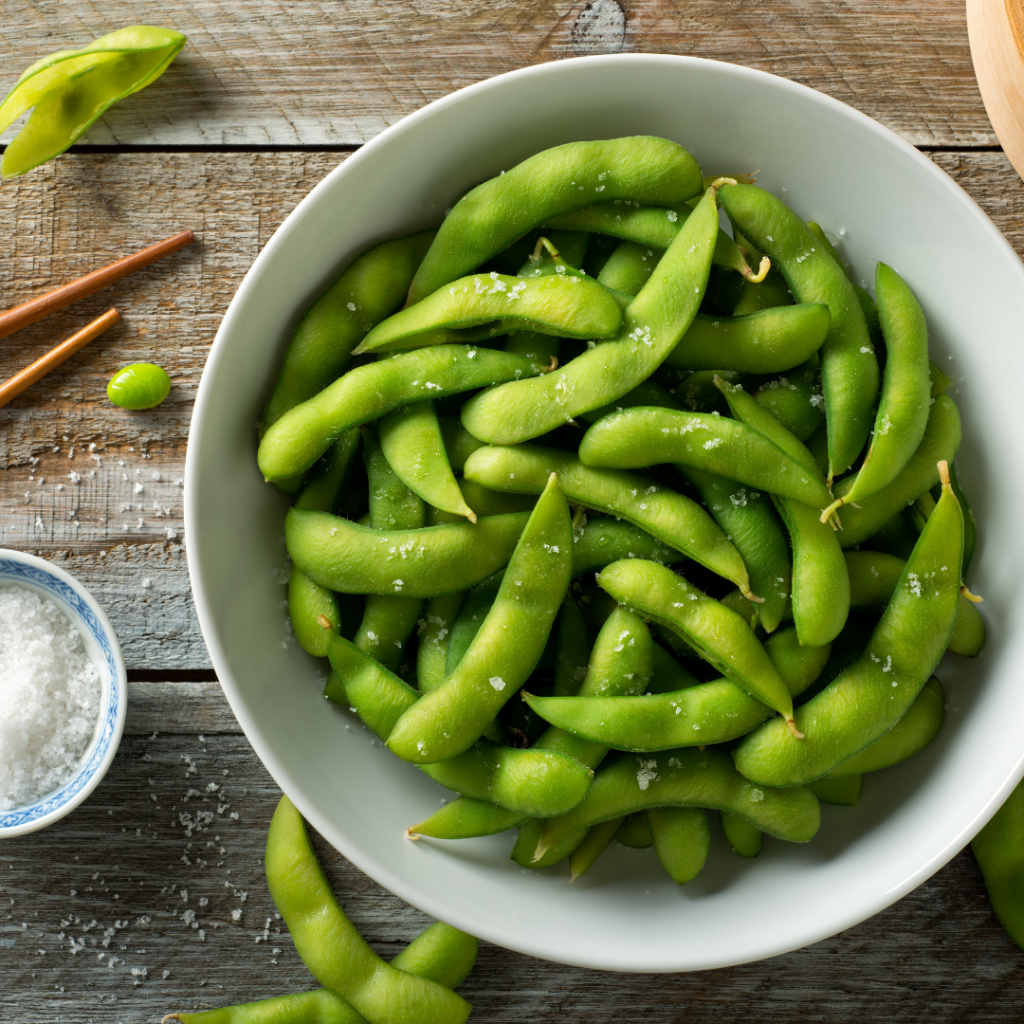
[100,640]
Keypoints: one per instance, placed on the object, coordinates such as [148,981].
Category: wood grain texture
[127,909]
[119,526]
[328,72]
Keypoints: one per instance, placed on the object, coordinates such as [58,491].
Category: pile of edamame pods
[691,494]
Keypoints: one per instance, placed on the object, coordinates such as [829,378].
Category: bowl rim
[280,772]
[103,746]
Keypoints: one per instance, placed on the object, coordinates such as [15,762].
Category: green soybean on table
[151,897]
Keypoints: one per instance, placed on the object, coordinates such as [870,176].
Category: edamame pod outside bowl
[886,201]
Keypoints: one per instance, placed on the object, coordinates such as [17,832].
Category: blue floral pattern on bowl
[66,597]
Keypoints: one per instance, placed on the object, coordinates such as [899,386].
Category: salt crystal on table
[49,698]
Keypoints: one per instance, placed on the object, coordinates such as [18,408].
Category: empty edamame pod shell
[493,215]
[999,851]
[687,778]
[871,696]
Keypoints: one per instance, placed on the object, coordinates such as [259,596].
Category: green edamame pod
[70,89]
[873,578]
[564,305]
[329,944]
[938,381]
[593,844]
[493,215]
[635,831]
[466,818]
[470,618]
[438,618]
[441,953]
[301,435]
[637,438]
[459,443]
[910,735]
[905,400]
[744,838]
[747,518]
[687,778]
[307,601]
[416,563]
[372,287]
[721,636]
[795,400]
[572,651]
[970,524]
[844,792]
[767,294]
[556,252]
[629,268]
[939,444]
[701,714]
[664,514]
[508,645]
[697,391]
[681,840]
[653,324]
[668,675]
[602,540]
[998,850]
[849,368]
[648,393]
[871,696]
[411,440]
[770,341]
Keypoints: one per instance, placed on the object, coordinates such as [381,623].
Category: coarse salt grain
[49,698]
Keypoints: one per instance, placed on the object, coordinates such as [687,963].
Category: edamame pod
[664,514]
[320,1006]
[438,618]
[648,393]
[843,792]
[508,645]
[910,735]
[572,650]
[296,440]
[668,675]
[372,287]
[355,559]
[687,778]
[441,953]
[635,831]
[493,215]
[637,438]
[653,324]
[871,696]
[701,714]
[593,844]
[629,268]
[744,838]
[602,540]
[939,444]
[681,840]
[849,368]
[721,636]
[411,440]
[747,518]
[459,443]
[999,851]
[873,578]
[564,305]
[770,341]
[471,617]
[466,818]
[795,400]
[905,400]
[329,944]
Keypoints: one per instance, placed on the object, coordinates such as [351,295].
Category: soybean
[998,849]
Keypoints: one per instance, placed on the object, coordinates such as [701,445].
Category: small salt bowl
[101,646]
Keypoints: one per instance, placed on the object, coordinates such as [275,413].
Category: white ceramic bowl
[103,650]
[834,165]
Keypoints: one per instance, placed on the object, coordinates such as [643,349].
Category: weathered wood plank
[151,873]
[85,210]
[191,709]
[314,73]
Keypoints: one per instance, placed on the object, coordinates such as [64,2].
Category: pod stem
[762,271]
[791,726]
[831,510]
[323,622]
[409,834]
[538,252]
[751,596]
[170,1016]
[973,598]
[943,467]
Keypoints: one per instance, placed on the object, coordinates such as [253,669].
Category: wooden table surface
[151,896]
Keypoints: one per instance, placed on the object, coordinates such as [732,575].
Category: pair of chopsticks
[35,309]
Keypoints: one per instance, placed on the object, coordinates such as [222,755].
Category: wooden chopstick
[35,309]
[42,366]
